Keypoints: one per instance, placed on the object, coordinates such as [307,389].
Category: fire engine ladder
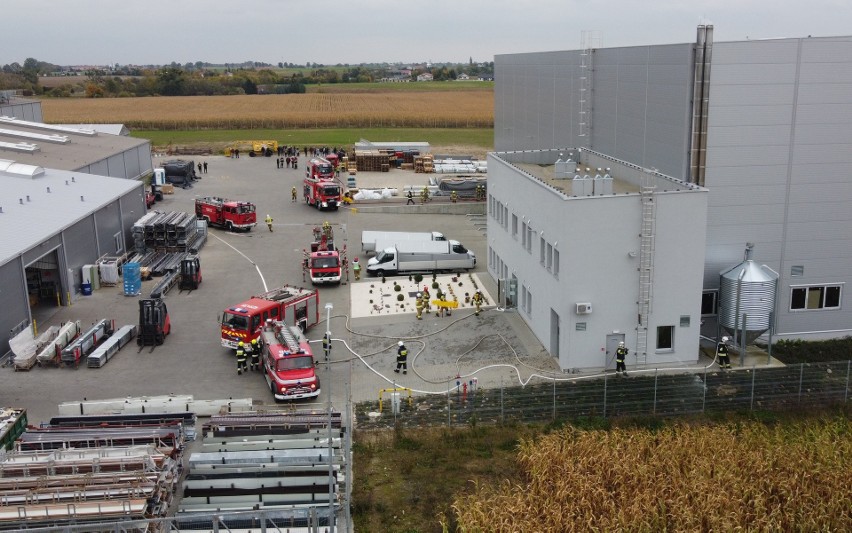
[589,41]
[646,268]
[287,336]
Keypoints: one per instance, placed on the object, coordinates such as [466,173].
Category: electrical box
[584,308]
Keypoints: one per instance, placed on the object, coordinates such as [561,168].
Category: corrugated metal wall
[779,146]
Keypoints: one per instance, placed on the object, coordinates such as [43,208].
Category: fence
[758,388]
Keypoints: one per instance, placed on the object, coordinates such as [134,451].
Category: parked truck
[294,306]
[324,262]
[179,172]
[421,256]
[288,362]
[229,214]
[369,238]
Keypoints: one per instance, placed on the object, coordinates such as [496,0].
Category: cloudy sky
[81,32]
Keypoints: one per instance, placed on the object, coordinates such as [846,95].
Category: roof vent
[74,180]
[21,200]
[1,208]
[28,198]
[48,189]
[66,182]
[82,199]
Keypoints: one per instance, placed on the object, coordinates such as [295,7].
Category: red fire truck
[230,214]
[321,189]
[294,306]
[288,363]
[324,260]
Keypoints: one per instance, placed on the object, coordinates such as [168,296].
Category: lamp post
[328,308]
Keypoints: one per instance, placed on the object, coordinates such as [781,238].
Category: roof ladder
[589,41]
[646,270]
[287,336]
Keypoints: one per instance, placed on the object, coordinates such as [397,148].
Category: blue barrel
[86,289]
[132,279]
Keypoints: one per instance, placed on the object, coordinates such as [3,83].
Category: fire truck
[224,213]
[288,363]
[294,306]
[324,261]
[321,189]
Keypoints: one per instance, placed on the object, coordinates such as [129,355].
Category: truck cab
[324,267]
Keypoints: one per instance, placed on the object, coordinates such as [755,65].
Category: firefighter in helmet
[241,358]
[268,221]
[418,304]
[722,354]
[255,355]
[401,358]
[454,197]
[477,301]
[620,354]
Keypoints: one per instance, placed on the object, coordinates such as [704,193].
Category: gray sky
[81,32]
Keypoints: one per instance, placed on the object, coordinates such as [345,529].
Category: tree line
[205,79]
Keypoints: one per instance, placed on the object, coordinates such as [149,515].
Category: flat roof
[67,150]
[36,203]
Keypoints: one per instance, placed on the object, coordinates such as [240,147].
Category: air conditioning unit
[584,308]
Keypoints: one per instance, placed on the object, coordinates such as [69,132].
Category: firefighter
[356,269]
[255,355]
[477,301]
[293,195]
[454,197]
[241,358]
[326,345]
[427,303]
[410,197]
[620,354]
[722,354]
[418,304]
[424,195]
[268,221]
[401,358]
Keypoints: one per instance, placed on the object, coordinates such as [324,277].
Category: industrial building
[596,257]
[765,126]
[69,196]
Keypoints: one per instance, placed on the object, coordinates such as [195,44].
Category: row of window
[548,255]
[802,298]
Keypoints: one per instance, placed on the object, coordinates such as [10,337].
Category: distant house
[462,77]
[486,78]
[425,77]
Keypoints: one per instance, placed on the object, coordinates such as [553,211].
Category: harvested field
[444,109]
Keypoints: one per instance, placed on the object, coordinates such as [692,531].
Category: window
[709,303]
[555,263]
[665,338]
[541,251]
[506,218]
[815,297]
[530,235]
[528,303]
[548,260]
[524,234]
[515,227]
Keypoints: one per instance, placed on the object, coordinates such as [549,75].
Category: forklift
[154,322]
[190,273]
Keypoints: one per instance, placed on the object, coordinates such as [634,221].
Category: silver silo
[747,289]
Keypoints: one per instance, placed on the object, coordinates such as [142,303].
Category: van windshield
[459,249]
[325,262]
[384,257]
[235,322]
[294,363]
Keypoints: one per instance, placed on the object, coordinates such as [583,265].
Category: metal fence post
[502,414]
[753,375]
[704,395]
[801,374]
[449,421]
[604,406]
[554,399]
[656,375]
[846,391]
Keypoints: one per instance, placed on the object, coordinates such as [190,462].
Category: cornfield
[740,476]
[444,109]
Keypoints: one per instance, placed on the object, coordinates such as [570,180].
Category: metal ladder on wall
[646,267]
[589,41]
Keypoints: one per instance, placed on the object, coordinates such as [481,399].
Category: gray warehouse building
[69,195]
[765,126]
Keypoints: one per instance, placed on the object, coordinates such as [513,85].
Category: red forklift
[154,322]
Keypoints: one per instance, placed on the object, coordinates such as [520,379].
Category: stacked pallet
[83,470]
[424,164]
[281,463]
[373,160]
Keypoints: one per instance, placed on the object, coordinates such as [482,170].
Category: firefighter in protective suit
[401,358]
[241,358]
[255,355]
[722,354]
[477,301]
[454,197]
[620,354]
[418,304]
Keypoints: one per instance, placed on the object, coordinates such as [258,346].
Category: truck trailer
[369,238]
[421,256]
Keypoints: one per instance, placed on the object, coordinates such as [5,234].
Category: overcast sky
[98,32]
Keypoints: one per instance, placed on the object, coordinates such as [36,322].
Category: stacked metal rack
[172,231]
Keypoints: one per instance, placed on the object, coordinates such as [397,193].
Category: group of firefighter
[423,304]
[246,351]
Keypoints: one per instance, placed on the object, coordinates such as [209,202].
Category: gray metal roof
[30,214]
[82,148]
[112,129]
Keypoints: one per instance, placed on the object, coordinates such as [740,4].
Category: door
[554,334]
[612,341]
